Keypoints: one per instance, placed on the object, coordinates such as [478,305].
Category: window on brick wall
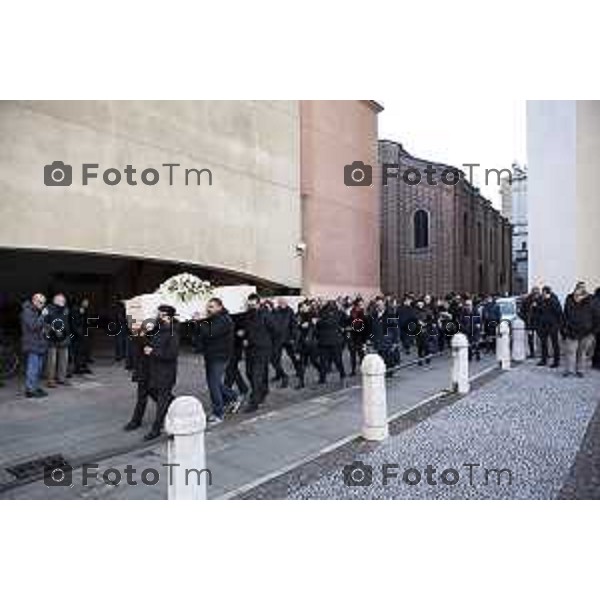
[421,228]
[466,234]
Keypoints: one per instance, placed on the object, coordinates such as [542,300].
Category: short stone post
[374,404]
[519,341]
[185,424]
[503,345]
[460,363]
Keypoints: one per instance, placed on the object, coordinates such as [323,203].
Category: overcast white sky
[457,131]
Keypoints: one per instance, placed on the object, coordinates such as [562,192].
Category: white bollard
[185,424]
[519,341]
[374,404]
[503,345]
[460,363]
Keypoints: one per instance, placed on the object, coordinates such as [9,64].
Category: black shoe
[250,408]
[566,374]
[579,374]
[542,363]
[29,394]
[86,371]
[300,384]
[152,435]
[554,365]
[40,393]
[132,425]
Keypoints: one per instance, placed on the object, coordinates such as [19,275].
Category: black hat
[167,309]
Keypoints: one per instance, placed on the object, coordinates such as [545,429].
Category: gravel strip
[524,428]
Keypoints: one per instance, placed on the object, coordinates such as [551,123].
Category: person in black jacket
[307,339]
[529,312]
[330,341]
[548,321]
[158,372]
[216,334]
[258,341]
[58,333]
[358,334]
[233,375]
[470,325]
[81,325]
[426,332]
[284,328]
[578,328]
[382,324]
[407,317]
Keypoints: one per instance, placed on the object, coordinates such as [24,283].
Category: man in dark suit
[216,334]
[156,370]
[258,335]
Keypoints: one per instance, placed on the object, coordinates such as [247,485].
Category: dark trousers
[329,355]
[278,351]
[257,369]
[163,398]
[531,342]
[120,346]
[423,346]
[309,354]
[220,394]
[81,353]
[357,351]
[552,335]
[596,355]
[233,375]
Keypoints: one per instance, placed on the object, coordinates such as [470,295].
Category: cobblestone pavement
[530,422]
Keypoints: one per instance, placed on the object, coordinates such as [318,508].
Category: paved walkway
[520,432]
[86,419]
[245,452]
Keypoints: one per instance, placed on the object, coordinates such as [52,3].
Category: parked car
[509,307]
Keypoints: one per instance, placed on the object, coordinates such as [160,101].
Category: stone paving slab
[530,421]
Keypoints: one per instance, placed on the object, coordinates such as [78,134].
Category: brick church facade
[437,237]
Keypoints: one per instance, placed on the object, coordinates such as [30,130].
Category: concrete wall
[563,147]
[588,192]
[247,222]
[341,224]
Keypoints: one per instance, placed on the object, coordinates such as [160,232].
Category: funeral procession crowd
[239,349]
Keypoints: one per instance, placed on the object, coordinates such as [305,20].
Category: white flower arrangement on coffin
[186,288]
[187,293]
